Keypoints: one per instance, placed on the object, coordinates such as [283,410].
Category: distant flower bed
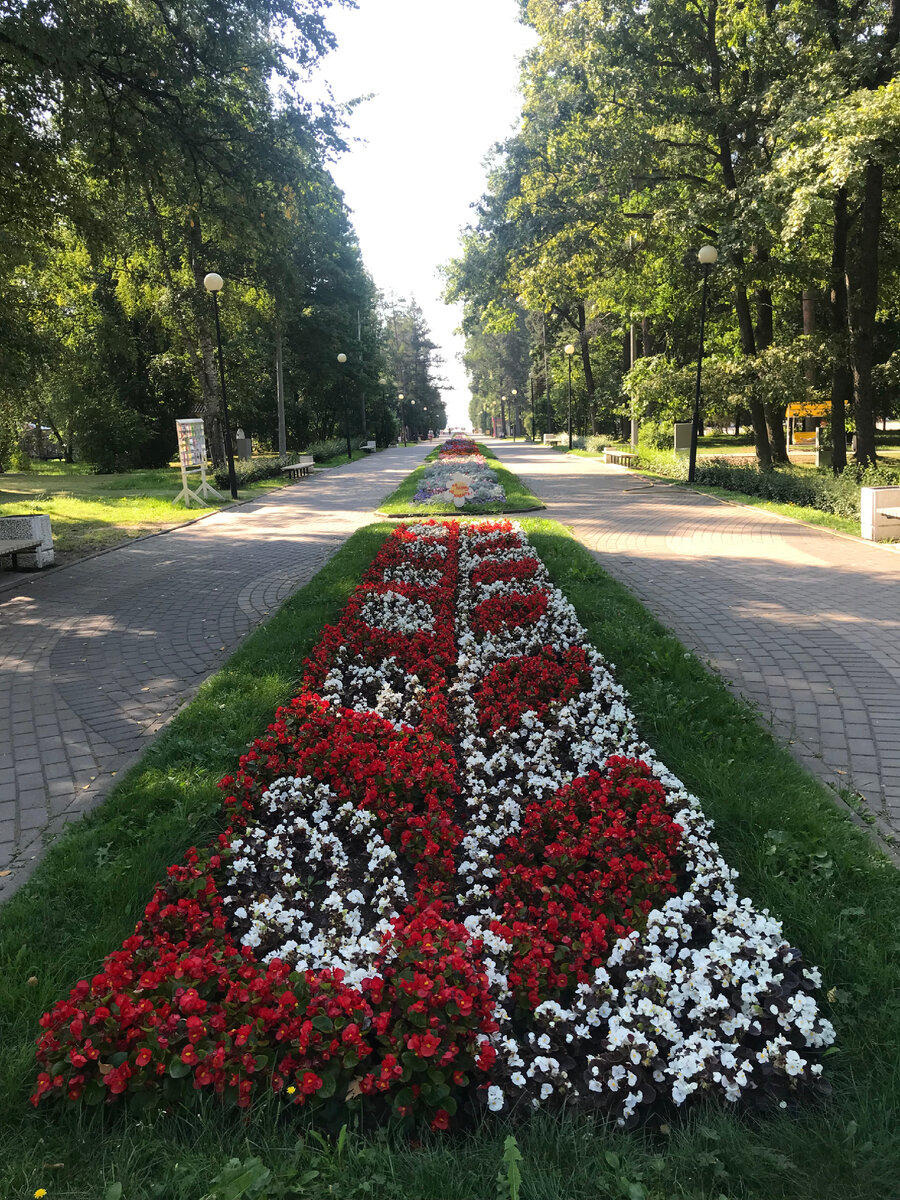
[452,877]
[460,476]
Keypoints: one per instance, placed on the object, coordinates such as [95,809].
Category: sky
[442,76]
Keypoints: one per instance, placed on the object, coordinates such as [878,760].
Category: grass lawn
[797,854]
[518,498]
[93,512]
[338,460]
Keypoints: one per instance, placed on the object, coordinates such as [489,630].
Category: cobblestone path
[802,622]
[96,658]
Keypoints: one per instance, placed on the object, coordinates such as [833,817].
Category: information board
[191,442]
[192,452]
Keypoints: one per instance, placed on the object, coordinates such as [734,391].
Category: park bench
[369,447]
[302,466]
[623,458]
[29,537]
[552,439]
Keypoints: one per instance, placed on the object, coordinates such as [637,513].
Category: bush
[249,472]
[656,435]
[332,447]
[820,489]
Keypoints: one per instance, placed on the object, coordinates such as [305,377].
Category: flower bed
[460,476]
[452,875]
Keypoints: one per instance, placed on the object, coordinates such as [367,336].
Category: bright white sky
[443,77]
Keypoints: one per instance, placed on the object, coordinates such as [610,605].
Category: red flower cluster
[458,447]
[407,777]
[180,1005]
[433,1008]
[534,681]
[493,572]
[508,612]
[585,869]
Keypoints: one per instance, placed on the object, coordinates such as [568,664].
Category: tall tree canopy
[767,128]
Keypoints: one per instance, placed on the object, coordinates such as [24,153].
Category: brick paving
[95,659]
[802,622]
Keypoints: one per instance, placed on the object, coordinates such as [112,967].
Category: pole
[569,357]
[279,389]
[632,354]
[229,454]
[531,385]
[695,424]
[347,425]
[546,373]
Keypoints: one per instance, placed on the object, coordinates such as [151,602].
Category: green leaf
[113,1192]
[178,1069]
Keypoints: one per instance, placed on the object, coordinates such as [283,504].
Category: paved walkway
[97,657]
[804,623]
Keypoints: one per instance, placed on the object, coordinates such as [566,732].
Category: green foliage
[250,472]
[818,489]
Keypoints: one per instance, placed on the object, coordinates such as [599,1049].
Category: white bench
[369,447]
[302,466]
[623,458]
[27,541]
[552,439]
[879,513]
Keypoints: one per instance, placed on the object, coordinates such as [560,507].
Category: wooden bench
[369,447]
[303,466]
[13,548]
[623,458]
[552,439]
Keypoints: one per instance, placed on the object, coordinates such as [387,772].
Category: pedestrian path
[95,659]
[803,622]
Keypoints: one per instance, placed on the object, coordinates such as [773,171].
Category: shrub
[838,494]
[249,472]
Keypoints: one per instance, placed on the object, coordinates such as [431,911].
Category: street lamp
[401,398]
[533,426]
[515,412]
[707,256]
[214,283]
[570,350]
[342,358]
[503,416]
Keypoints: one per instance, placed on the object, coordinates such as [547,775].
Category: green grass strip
[797,854]
[518,498]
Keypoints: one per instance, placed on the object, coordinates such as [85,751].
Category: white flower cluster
[397,613]
[709,997]
[312,880]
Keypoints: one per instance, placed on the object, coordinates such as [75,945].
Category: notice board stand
[192,453]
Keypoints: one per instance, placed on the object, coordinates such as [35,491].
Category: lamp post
[342,358]
[707,256]
[503,416]
[401,398]
[570,350]
[515,402]
[214,283]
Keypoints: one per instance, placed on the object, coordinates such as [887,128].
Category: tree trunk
[748,345]
[589,384]
[862,294]
[207,374]
[279,392]
[841,376]
[775,411]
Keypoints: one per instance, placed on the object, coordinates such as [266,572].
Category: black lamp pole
[707,256]
[533,429]
[213,283]
[342,358]
[570,350]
